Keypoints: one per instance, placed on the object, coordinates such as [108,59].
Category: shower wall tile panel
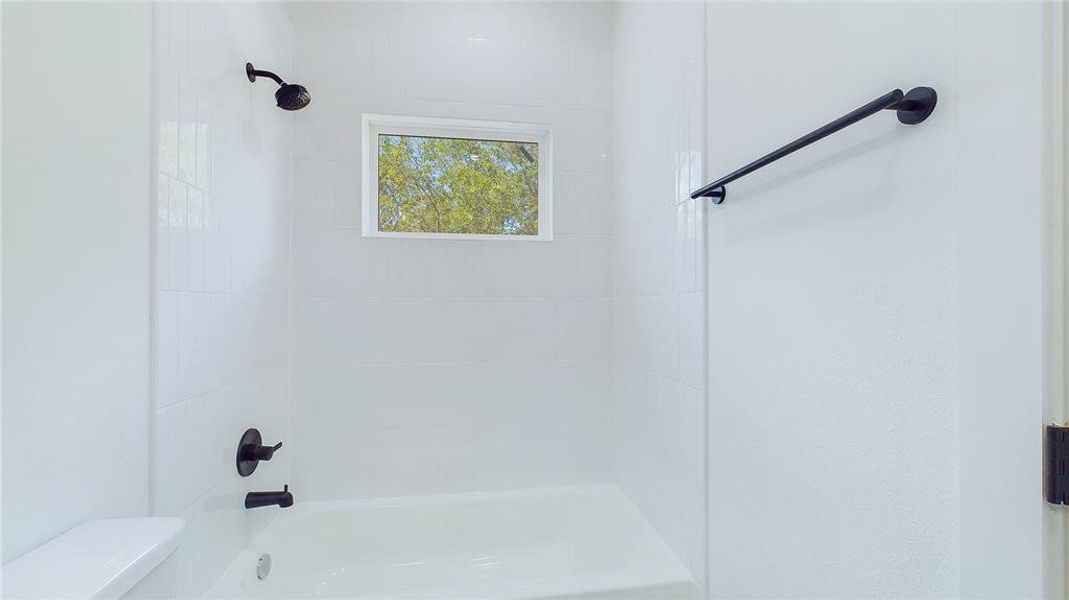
[222,335]
[658,308]
[425,366]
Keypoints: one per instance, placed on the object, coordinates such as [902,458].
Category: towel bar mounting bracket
[915,106]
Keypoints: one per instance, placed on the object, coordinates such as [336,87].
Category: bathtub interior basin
[575,542]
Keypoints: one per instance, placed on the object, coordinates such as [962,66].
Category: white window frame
[378,124]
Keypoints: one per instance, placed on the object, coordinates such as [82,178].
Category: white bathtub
[576,542]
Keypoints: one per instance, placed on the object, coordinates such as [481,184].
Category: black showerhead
[292,97]
[289,96]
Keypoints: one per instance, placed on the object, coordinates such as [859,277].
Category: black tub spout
[282,499]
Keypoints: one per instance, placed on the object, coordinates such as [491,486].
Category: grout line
[153,262]
[703,258]
[291,281]
[510,361]
[466,102]
[517,361]
[223,388]
[515,430]
[632,367]
[690,292]
[355,162]
[643,220]
[224,294]
[492,296]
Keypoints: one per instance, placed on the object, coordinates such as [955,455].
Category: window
[448,178]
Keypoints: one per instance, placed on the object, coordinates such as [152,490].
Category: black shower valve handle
[262,452]
[251,451]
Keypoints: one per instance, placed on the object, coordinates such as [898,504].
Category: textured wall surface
[874,304]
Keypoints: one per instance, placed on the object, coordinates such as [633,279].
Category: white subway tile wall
[425,366]
[222,335]
[658,315]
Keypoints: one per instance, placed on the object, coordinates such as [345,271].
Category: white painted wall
[874,304]
[1001,130]
[222,341]
[426,366]
[658,374]
[76,267]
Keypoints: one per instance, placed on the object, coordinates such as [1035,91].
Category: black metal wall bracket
[1056,471]
[912,108]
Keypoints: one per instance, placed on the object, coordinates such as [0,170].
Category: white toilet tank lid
[103,558]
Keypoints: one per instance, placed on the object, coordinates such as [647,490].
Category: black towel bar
[912,108]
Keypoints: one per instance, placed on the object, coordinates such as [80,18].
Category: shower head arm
[253,74]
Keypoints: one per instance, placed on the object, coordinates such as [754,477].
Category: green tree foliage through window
[454,185]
